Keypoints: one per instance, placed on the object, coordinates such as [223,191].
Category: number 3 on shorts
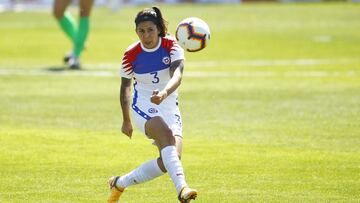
[156,78]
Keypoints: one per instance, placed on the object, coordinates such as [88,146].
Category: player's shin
[173,166]
[145,172]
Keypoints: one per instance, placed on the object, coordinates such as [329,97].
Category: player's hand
[158,96]
[127,129]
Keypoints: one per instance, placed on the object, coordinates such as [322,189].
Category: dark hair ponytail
[154,15]
[162,23]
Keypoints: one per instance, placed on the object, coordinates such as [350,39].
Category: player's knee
[58,14]
[84,14]
[85,11]
[165,138]
[169,136]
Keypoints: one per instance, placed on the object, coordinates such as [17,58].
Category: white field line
[229,63]
[111,70]
[46,72]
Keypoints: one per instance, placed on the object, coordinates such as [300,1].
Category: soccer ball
[193,34]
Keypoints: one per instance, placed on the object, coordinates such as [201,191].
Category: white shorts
[143,110]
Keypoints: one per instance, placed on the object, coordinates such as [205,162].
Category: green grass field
[271,109]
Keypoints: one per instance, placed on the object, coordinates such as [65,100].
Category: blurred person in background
[77,33]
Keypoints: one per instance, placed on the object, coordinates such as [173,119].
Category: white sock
[147,171]
[173,166]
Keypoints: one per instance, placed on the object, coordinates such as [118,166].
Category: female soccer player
[77,34]
[156,64]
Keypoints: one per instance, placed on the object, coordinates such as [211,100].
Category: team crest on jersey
[166,60]
[153,110]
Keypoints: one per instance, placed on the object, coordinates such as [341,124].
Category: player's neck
[151,49]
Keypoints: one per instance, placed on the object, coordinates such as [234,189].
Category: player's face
[148,34]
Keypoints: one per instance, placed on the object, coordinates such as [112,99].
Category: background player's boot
[187,194]
[67,57]
[115,191]
[74,63]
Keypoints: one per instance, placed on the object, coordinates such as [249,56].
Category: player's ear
[158,30]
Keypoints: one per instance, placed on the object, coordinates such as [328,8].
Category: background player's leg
[84,26]
[65,19]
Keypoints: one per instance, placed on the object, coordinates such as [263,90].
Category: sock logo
[135,181]
[179,174]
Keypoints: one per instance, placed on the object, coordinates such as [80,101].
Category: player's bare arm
[125,94]
[176,70]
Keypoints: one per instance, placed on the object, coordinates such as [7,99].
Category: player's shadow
[58,69]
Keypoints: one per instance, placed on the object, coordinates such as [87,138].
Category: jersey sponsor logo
[153,110]
[166,60]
